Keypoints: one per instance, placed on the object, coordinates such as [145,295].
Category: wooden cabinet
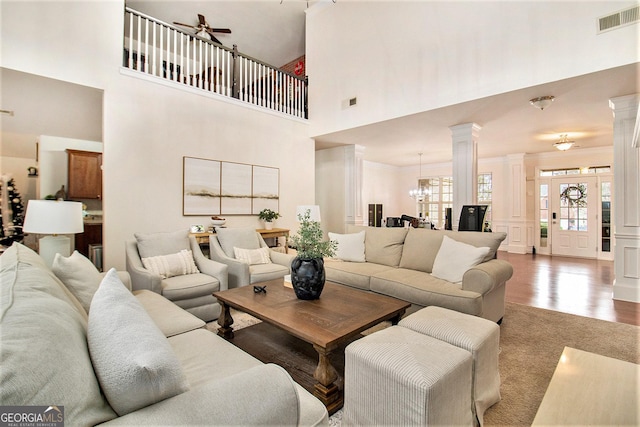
[85,175]
[92,235]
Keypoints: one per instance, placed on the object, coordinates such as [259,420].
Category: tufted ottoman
[481,337]
[397,376]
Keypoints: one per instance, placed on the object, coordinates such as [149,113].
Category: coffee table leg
[326,390]
[225,321]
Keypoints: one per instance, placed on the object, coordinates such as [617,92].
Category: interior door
[574,216]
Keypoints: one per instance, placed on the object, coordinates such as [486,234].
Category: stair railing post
[306,98]
[235,93]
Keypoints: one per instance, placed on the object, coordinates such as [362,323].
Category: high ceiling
[268,30]
[273,31]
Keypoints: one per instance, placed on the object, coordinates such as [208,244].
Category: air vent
[353,101]
[619,19]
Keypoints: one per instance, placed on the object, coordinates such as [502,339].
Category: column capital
[465,129]
[628,103]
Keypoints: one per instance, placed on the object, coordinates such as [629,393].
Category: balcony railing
[156,48]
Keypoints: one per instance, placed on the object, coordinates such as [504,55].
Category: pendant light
[419,193]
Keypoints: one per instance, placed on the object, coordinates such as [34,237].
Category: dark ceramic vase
[307,277]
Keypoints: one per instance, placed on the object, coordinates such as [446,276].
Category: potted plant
[307,268]
[268,216]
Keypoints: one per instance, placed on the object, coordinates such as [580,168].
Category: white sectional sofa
[425,267]
[132,359]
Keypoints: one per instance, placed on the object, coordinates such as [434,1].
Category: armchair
[192,292]
[243,273]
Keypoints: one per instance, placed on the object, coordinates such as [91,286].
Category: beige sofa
[400,263]
[132,360]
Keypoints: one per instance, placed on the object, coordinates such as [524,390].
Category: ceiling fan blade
[185,25]
[220,30]
[214,39]
[201,19]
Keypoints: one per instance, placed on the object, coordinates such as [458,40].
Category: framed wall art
[201,186]
[214,187]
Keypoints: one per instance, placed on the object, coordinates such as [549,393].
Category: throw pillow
[79,275]
[171,265]
[350,246]
[230,238]
[253,256]
[133,360]
[154,244]
[455,258]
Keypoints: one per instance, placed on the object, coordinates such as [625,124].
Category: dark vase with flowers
[307,268]
[307,277]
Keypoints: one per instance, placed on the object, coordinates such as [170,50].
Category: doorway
[574,213]
[574,216]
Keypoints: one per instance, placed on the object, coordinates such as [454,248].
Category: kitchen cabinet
[92,235]
[85,175]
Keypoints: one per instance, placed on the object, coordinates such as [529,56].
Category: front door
[574,222]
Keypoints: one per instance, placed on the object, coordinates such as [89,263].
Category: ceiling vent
[619,19]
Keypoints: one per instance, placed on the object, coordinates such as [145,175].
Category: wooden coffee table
[339,315]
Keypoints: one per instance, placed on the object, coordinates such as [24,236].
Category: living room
[147,127]
[139,146]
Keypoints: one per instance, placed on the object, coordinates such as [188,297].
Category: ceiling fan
[203,29]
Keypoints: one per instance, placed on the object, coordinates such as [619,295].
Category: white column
[353,166]
[626,211]
[517,204]
[464,139]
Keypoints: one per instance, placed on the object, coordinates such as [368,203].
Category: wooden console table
[203,238]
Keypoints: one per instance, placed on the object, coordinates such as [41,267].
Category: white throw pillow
[171,265]
[350,246]
[133,360]
[79,275]
[455,258]
[252,256]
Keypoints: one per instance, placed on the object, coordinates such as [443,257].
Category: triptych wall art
[214,187]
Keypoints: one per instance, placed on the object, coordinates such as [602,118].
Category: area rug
[531,342]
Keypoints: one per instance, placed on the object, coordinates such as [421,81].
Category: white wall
[81,43]
[149,127]
[381,185]
[330,189]
[511,45]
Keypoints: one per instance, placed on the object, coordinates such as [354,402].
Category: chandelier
[564,144]
[419,193]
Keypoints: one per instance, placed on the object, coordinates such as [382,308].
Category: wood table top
[340,313]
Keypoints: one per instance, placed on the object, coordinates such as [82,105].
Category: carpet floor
[531,342]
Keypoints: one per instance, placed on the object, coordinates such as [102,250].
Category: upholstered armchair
[173,265]
[248,257]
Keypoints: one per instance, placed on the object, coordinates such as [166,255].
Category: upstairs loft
[155,48]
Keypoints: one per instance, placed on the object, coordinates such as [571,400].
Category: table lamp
[314,212]
[53,217]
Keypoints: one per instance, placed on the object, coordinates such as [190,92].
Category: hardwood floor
[570,285]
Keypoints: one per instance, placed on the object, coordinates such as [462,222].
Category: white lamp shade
[53,217]
[314,212]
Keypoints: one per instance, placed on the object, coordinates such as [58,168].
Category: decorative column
[353,166]
[626,209]
[516,204]
[464,139]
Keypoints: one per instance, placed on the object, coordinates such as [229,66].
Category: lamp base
[49,246]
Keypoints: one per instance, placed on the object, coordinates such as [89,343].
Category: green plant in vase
[307,268]
[268,216]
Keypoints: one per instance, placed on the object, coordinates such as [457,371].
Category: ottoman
[481,337]
[397,376]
